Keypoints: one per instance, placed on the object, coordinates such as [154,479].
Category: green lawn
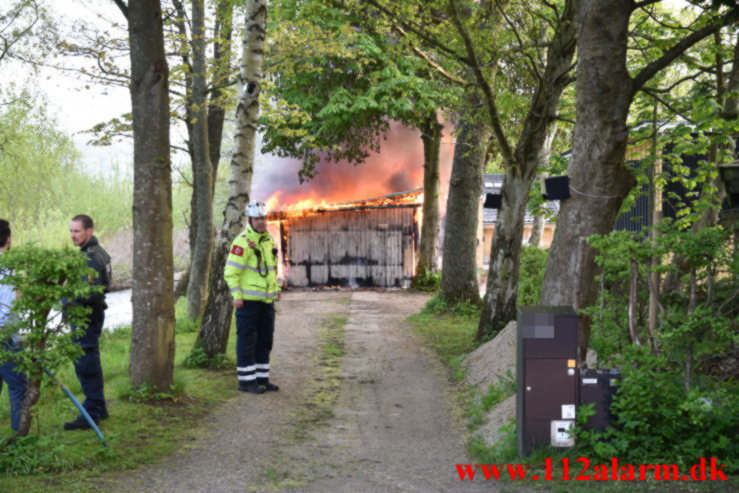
[138,430]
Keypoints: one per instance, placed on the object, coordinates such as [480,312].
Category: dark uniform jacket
[99,260]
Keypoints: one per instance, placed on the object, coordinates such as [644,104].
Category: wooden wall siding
[365,247]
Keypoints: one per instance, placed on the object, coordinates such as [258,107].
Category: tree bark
[532,150]
[537,231]
[33,392]
[598,177]
[459,260]
[213,335]
[654,277]
[152,337]
[429,248]
[202,217]
[221,72]
[537,228]
[633,293]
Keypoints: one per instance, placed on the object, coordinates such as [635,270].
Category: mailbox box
[597,387]
[547,376]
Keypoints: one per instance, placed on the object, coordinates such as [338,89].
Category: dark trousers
[255,326]
[16,391]
[88,368]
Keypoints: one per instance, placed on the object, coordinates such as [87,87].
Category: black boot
[80,423]
[252,388]
[270,387]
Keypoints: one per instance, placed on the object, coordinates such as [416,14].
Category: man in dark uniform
[87,367]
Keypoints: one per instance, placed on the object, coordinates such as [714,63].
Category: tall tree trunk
[180,21]
[531,151]
[598,177]
[429,249]
[202,217]
[633,299]
[152,337]
[459,260]
[214,330]
[655,199]
[221,72]
[221,65]
[537,228]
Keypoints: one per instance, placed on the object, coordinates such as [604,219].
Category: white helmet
[256,209]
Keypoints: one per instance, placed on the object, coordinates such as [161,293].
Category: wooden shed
[361,244]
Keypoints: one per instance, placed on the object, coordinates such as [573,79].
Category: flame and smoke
[398,167]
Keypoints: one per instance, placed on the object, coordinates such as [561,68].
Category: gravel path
[392,428]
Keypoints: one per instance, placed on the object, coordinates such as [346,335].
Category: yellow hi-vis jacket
[251,267]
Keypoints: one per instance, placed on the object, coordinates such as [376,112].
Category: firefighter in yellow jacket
[251,275]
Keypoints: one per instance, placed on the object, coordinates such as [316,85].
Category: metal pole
[82,410]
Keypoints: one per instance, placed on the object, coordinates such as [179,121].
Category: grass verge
[323,394]
[317,407]
[143,426]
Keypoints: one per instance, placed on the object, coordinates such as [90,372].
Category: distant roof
[494,183]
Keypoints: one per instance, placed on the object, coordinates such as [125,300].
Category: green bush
[427,282]
[657,422]
[438,306]
[32,454]
[675,403]
[147,393]
[198,359]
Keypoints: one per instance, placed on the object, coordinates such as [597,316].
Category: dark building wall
[674,196]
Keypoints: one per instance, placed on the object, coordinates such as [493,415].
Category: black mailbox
[555,187]
[547,382]
[493,201]
[597,386]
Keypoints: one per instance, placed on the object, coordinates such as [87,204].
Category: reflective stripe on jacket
[251,275]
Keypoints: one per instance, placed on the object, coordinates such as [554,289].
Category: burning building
[365,243]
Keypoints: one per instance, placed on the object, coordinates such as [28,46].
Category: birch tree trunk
[429,248]
[202,217]
[214,330]
[532,149]
[459,260]
[152,337]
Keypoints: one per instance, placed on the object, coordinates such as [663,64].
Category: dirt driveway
[389,427]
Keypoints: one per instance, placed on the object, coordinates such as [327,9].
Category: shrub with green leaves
[439,306]
[427,282]
[43,278]
[531,274]
[657,422]
[674,403]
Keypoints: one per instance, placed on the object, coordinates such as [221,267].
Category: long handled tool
[82,410]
